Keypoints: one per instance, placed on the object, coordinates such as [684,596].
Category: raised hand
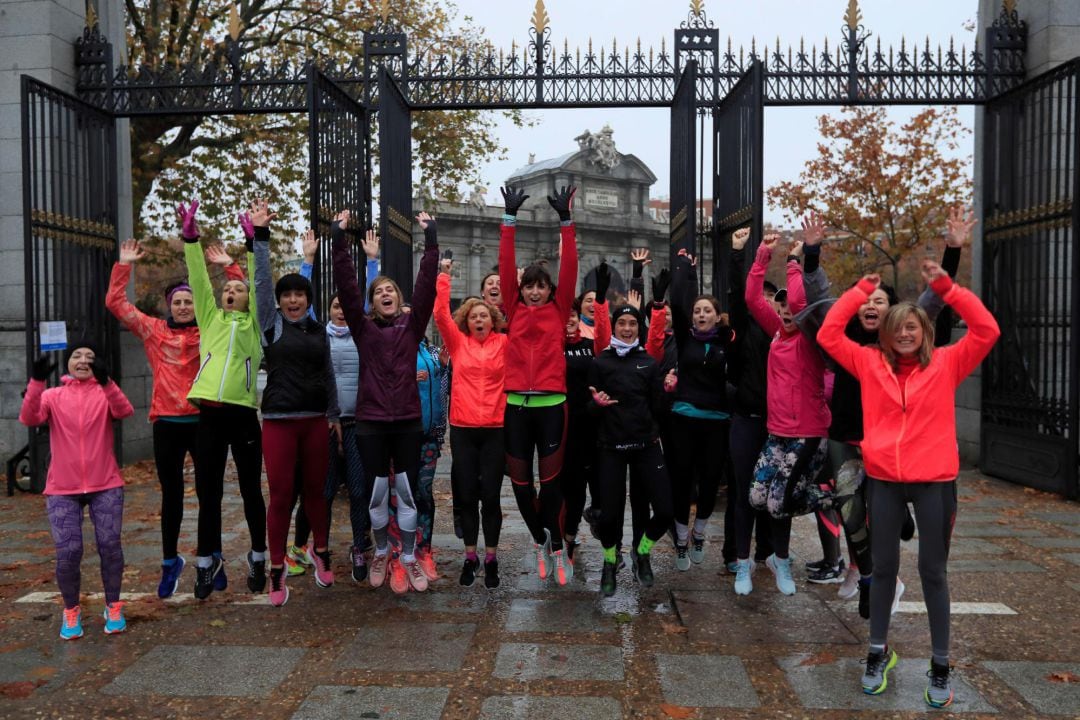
[260,213]
[671,381]
[424,219]
[771,240]
[931,271]
[563,202]
[42,368]
[342,218]
[603,281]
[813,228]
[739,238]
[641,255]
[633,297]
[445,265]
[684,253]
[189,225]
[960,224]
[660,285]
[216,255]
[513,199]
[873,278]
[601,398]
[796,249]
[130,252]
[310,245]
[246,225]
[101,372]
[370,243]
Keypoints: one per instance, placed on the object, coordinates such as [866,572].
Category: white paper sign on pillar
[53,335]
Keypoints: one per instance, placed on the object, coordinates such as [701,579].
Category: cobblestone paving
[685,648]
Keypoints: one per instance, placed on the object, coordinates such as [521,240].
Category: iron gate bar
[395,182]
[682,206]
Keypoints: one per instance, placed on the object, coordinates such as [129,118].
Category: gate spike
[540,18]
[91,16]
[234,22]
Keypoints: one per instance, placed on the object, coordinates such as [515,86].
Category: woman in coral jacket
[535,419]
[909,449]
[473,336]
[172,349]
[82,473]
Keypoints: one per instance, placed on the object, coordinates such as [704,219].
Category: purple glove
[246,225]
[189,226]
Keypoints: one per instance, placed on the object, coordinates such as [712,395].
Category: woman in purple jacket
[389,429]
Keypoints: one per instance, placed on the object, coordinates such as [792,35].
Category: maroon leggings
[288,445]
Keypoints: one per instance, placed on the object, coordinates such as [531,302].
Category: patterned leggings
[65,519]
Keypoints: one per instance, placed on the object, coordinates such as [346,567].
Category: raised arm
[640,259]
[116,298]
[966,354]
[831,336]
[448,329]
[35,407]
[601,314]
[815,282]
[349,292]
[654,342]
[264,280]
[683,288]
[796,298]
[508,281]
[198,277]
[119,406]
[423,297]
[370,244]
[563,202]
[759,307]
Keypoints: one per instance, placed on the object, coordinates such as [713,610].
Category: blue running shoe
[782,570]
[114,618]
[744,585]
[71,624]
[220,581]
[170,577]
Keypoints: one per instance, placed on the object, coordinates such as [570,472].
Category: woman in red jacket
[474,339]
[909,449]
[535,415]
[82,473]
[172,349]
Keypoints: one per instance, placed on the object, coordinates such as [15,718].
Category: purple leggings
[65,517]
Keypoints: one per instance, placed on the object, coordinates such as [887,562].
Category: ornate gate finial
[234,22]
[540,17]
[91,15]
[384,11]
[1008,6]
[853,15]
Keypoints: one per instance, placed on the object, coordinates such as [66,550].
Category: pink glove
[246,225]
[189,226]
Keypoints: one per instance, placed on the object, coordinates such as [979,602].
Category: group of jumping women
[805,403]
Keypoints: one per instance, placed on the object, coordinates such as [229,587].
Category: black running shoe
[204,578]
[468,572]
[643,569]
[359,564]
[816,565]
[607,580]
[907,530]
[828,575]
[491,574]
[864,598]
[592,517]
[256,579]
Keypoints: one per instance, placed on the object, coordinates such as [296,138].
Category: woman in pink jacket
[798,417]
[83,472]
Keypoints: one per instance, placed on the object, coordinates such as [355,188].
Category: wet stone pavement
[685,648]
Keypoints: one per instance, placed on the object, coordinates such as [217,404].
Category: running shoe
[114,618]
[744,585]
[875,677]
[782,570]
[292,567]
[205,577]
[682,557]
[377,576]
[399,578]
[279,591]
[697,549]
[607,579]
[358,563]
[491,574]
[426,560]
[592,518]
[414,573]
[543,555]
[571,547]
[850,587]
[324,573]
[864,598]
[828,575]
[468,572]
[220,580]
[732,567]
[816,565]
[642,569]
[256,579]
[564,569]
[71,623]
[939,692]
[897,594]
[298,553]
[170,577]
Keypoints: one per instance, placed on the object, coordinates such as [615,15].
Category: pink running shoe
[377,575]
[426,559]
[415,573]
[279,591]
[320,561]
[399,580]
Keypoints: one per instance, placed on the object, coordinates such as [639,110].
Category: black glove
[660,285]
[513,199]
[42,368]
[431,236]
[603,281]
[100,370]
[562,201]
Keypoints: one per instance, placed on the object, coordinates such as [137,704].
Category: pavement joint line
[956,608]
[176,599]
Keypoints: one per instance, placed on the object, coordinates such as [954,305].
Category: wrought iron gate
[395,182]
[70,239]
[738,146]
[1031,266]
[338,171]
[683,203]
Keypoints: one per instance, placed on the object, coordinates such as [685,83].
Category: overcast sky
[790,133]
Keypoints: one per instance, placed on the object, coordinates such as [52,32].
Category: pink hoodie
[796,374]
[80,414]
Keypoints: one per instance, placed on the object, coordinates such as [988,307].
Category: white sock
[408,558]
[258,556]
[204,561]
[699,527]
[381,552]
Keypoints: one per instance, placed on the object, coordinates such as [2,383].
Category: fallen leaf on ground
[820,658]
[623,617]
[1063,676]
[674,628]
[677,711]
[218,623]
[22,689]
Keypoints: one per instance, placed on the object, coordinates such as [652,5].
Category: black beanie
[293,281]
[87,343]
[627,309]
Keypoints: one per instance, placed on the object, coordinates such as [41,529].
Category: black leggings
[578,468]
[648,468]
[699,453]
[748,436]
[542,429]
[935,514]
[223,428]
[172,442]
[476,482]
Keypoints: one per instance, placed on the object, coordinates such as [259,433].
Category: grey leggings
[935,513]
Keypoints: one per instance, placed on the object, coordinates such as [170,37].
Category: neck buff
[588,321]
[707,335]
[332,329]
[179,325]
[621,348]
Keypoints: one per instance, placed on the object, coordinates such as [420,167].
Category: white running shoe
[897,595]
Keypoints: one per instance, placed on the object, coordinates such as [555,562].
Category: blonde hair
[461,316]
[382,280]
[894,319]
